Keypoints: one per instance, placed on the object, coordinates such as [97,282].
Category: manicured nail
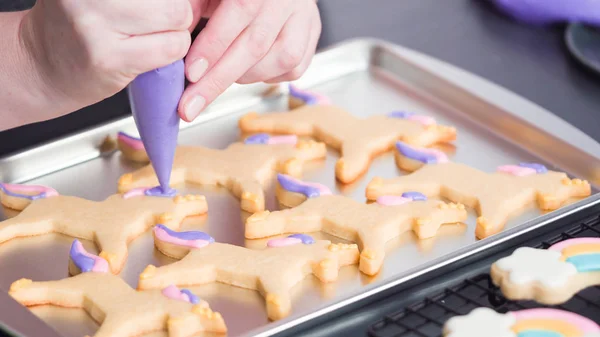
[197,69]
[193,107]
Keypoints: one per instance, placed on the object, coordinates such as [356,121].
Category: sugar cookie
[120,310]
[272,271]
[523,323]
[549,276]
[111,223]
[371,226]
[243,168]
[358,139]
[495,196]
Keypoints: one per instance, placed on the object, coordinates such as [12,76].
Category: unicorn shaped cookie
[371,226]
[243,168]
[120,310]
[272,271]
[495,196]
[358,139]
[111,223]
[549,276]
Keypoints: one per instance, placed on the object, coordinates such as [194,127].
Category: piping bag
[541,12]
[154,97]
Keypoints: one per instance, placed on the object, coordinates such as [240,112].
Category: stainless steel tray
[365,77]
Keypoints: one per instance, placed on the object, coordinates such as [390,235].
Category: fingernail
[193,107]
[197,69]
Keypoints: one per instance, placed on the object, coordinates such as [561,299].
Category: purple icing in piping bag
[154,97]
[551,11]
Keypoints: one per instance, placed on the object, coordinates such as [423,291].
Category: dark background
[530,61]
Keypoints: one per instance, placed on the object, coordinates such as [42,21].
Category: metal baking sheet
[365,77]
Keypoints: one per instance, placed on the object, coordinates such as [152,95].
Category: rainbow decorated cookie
[272,271]
[485,322]
[120,310]
[359,140]
[549,276]
[371,226]
[111,223]
[243,168]
[495,196]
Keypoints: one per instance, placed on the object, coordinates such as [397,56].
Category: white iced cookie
[549,276]
[485,322]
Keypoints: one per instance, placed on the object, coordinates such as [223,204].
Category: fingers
[166,48]
[226,24]
[311,48]
[134,17]
[287,52]
[245,51]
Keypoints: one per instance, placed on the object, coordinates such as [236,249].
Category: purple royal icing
[292,185]
[189,235]
[400,114]
[154,97]
[304,96]
[306,239]
[539,168]
[160,192]
[415,154]
[414,196]
[84,263]
[261,138]
[551,11]
[193,298]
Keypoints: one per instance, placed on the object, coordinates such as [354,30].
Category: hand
[87,50]
[247,41]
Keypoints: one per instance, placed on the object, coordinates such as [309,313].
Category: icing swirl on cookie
[308,97]
[423,120]
[132,142]
[265,139]
[394,200]
[523,169]
[150,192]
[291,240]
[23,191]
[310,190]
[85,261]
[424,155]
[193,239]
[185,295]
[583,253]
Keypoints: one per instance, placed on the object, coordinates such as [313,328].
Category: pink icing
[174,293]
[17,188]
[572,242]
[424,120]
[392,200]
[100,264]
[321,99]
[440,156]
[515,170]
[289,139]
[136,192]
[131,142]
[584,324]
[162,235]
[283,242]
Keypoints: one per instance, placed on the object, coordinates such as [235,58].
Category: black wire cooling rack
[426,318]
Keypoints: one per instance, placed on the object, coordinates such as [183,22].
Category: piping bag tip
[154,97]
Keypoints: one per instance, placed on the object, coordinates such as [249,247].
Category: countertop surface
[531,61]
